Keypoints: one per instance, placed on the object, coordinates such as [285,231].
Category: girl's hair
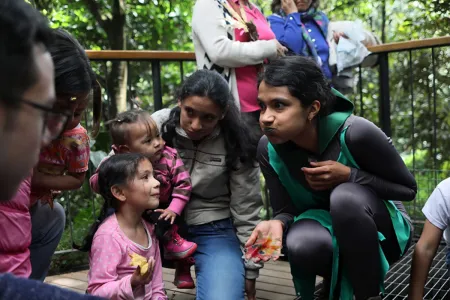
[118,127]
[303,78]
[240,140]
[116,170]
[276,5]
[73,72]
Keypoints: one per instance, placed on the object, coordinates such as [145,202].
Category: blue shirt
[15,288]
[289,33]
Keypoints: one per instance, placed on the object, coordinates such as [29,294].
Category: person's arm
[181,182]
[424,252]
[93,181]
[282,206]
[245,205]
[71,181]
[157,283]
[208,24]
[288,31]
[12,287]
[106,254]
[381,167]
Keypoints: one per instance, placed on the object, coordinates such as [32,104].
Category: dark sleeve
[12,287]
[283,208]
[381,167]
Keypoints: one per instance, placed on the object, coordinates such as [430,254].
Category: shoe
[183,278]
[175,247]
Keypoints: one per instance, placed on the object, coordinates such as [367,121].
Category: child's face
[75,108]
[143,190]
[141,140]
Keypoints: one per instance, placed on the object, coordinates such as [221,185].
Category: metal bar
[131,103]
[156,79]
[360,88]
[434,141]
[181,71]
[413,140]
[384,112]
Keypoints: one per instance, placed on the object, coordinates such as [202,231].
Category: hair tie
[115,149]
[73,99]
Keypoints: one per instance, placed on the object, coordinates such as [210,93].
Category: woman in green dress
[335,181]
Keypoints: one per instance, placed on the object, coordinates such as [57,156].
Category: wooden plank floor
[274,283]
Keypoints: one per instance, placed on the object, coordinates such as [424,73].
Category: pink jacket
[109,264]
[15,232]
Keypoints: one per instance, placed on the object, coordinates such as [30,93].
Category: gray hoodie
[217,192]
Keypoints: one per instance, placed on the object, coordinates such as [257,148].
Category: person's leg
[47,229]
[357,215]
[218,261]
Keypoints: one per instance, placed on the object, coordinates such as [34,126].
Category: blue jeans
[46,232]
[219,266]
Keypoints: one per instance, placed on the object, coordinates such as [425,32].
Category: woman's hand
[137,279]
[325,175]
[337,35]
[281,50]
[265,228]
[288,6]
[250,289]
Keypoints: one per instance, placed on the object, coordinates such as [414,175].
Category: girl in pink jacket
[127,185]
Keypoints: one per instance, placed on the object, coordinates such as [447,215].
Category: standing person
[327,170]
[216,147]
[235,49]
[26,99]
[302,28]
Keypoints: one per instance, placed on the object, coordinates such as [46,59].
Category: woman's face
[199,116]
[282,116]
[303,5]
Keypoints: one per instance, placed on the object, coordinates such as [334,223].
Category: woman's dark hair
[118,169]
[21,29]
[303,78]
[276,5]
[240,140]
[118,125]
[73,72]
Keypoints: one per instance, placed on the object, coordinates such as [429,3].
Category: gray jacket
[217,192]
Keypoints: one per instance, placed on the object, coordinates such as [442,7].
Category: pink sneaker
[175,247]
[183,278]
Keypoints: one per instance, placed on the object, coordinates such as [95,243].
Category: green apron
[308,201]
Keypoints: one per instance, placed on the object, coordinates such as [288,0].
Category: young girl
[128,187]
[135,131]
[63,163]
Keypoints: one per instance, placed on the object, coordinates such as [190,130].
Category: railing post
[156,79]
[384,112]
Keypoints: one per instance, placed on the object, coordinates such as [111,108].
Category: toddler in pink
[136,131]
[128,187]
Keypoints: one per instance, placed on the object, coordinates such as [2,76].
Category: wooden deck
[274,283]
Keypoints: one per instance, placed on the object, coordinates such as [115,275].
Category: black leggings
[357,215]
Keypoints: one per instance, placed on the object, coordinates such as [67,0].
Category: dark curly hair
[276,5]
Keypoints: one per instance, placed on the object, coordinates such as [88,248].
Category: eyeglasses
[54,121]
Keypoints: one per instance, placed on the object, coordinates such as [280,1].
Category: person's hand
[166,214]
[281,50]
[265,228]
[325,175]
[250,289]
[337,35]
[289,6]
[137,279]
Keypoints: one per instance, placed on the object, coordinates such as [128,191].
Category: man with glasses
[27,121]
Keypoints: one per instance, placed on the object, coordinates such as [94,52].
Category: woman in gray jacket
[217,148]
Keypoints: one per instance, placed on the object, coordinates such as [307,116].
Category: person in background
[27,122]
[437,214]
[222,44]
[302,28]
